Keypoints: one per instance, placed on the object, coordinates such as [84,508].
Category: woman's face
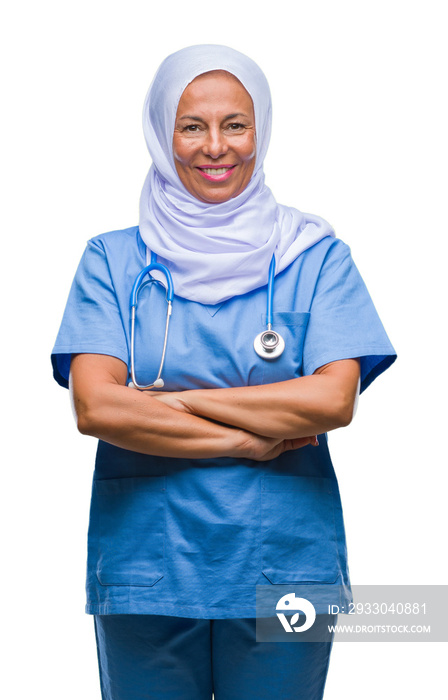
[214,142]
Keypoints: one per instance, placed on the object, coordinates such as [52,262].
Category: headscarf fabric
[215,251]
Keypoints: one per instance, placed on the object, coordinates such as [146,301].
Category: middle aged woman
[217,484]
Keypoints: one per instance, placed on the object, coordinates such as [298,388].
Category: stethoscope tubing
[270,299]
[268,344]
[146,270]
[158,382]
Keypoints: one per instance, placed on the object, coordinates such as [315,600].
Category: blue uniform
[193,537]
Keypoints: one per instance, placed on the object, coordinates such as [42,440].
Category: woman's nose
[215,144]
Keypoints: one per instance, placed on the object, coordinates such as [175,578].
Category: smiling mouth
[216,173]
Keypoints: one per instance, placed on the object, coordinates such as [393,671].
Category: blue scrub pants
[158,657]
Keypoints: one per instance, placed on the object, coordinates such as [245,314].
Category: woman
[219,483]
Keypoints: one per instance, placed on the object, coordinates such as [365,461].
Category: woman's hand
[262,449]
[255,447]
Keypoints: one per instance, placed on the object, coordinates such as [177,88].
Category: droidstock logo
[290,602]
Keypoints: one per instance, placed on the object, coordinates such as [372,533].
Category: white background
[359,137]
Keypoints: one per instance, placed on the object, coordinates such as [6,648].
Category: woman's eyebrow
[196,119]
[237,114]
[229,116]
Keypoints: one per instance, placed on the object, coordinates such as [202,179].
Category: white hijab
[220,250]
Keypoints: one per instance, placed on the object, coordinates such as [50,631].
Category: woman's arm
[285,410]
[107,409]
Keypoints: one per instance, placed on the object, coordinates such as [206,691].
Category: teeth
[215,171]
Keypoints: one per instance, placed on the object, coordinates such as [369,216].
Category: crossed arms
[253,422]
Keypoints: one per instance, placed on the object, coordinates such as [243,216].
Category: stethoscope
[268,344]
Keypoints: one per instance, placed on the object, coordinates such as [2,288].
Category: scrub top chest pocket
[298,534]
[292,326]
[128,528]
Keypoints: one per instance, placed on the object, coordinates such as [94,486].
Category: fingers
[270,448]
[297,443]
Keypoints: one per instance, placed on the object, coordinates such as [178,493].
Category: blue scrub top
[193,537]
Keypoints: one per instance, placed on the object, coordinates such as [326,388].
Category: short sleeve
[92,322]
[343,321]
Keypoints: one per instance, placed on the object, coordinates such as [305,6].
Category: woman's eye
[190,128]
[235,126]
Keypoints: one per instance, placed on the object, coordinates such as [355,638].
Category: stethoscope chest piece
[269,345]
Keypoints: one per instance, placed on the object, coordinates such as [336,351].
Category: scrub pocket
[128,522]
[298,534]
[292,327]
